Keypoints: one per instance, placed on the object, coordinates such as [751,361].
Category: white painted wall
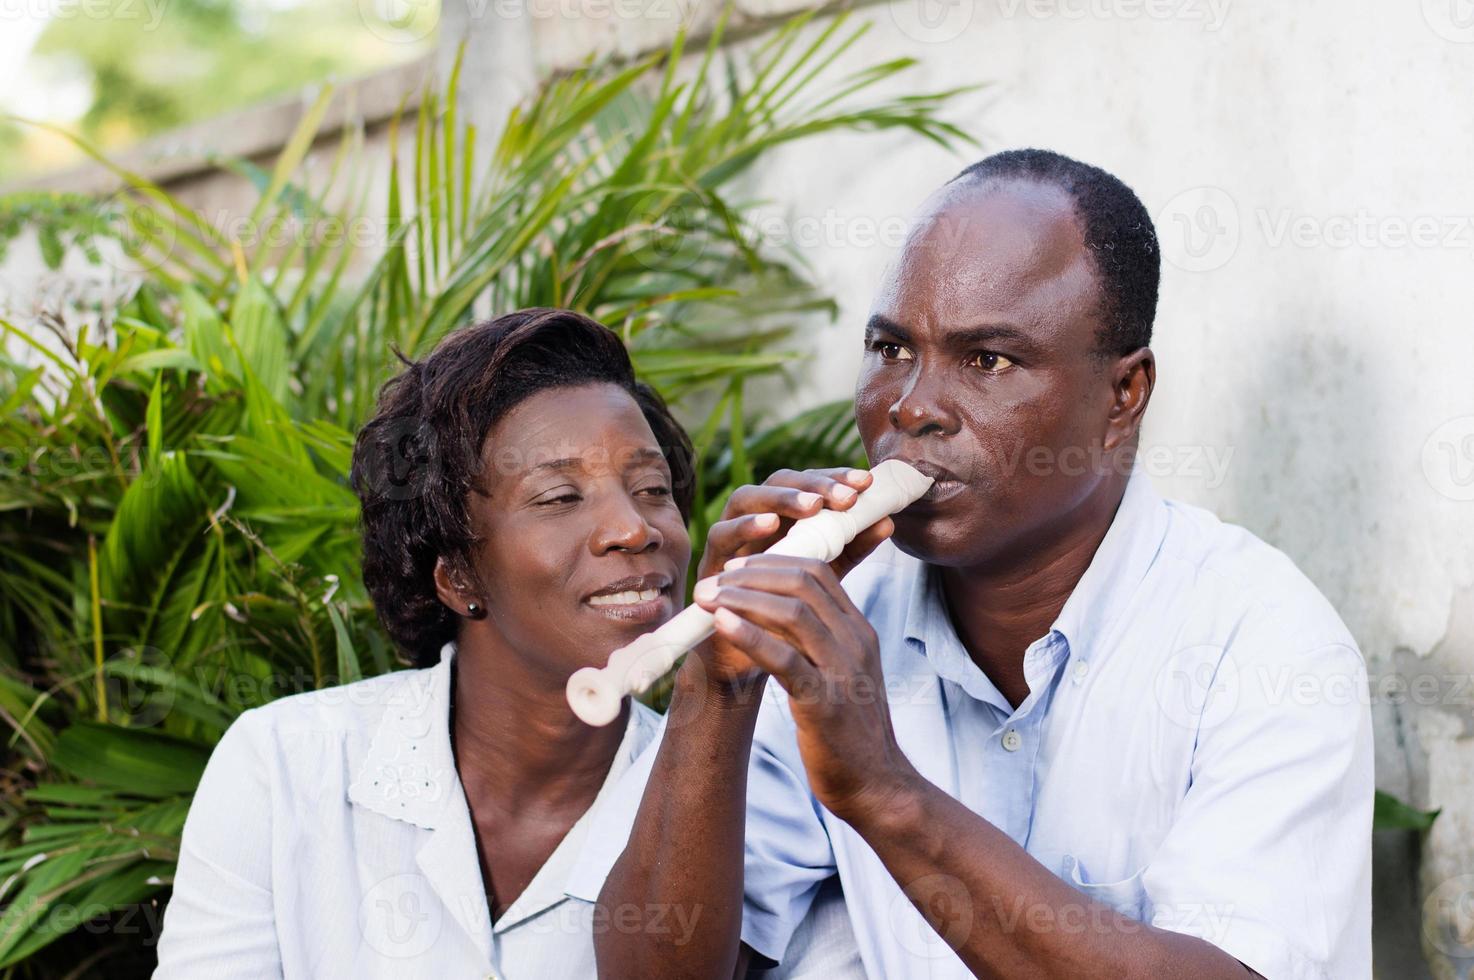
[1308,167]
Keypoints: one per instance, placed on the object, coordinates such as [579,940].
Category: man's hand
[791,618]
[694,810]
[756,518]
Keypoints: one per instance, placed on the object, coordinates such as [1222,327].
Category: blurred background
[119,71]
[215,216]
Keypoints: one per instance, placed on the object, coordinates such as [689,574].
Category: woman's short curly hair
[417,460]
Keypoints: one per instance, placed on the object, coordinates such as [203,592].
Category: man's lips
[945,485]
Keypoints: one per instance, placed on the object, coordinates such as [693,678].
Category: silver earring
[473,610]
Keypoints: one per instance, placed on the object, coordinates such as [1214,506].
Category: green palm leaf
[190,453]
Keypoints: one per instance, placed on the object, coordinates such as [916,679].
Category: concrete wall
[1307,164]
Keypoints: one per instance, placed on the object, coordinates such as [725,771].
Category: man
[1057,726]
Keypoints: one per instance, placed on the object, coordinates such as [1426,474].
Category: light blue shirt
[1195,751]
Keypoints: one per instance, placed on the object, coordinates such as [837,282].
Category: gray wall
[1316,354]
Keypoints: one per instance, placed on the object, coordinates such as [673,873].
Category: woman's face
[583,547]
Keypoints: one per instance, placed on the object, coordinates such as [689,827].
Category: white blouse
[330,837]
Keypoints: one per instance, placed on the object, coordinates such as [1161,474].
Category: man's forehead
[990,249]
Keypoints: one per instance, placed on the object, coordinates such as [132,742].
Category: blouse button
[1012,740]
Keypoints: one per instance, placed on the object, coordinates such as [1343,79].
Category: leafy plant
[1390,813]
[177,537]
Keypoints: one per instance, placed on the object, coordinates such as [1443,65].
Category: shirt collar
[565,874]
[929,629]
[1120,563]
[409,774]
[409,771]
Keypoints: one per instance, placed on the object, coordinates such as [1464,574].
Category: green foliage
[177,535]
[61,222]
[1390,813]
[156,64]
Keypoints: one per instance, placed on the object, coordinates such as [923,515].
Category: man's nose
[924,406]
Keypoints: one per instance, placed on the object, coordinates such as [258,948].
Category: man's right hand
[756,518]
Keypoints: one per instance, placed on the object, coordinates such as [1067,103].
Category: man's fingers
[859,549]
[806,578]
[756,517]
[796,494]
[744,535]
[769,652]
[822,481]
[779,611]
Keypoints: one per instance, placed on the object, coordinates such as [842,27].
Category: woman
[524,513]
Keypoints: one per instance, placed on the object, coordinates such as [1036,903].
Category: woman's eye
[991,362]
[562,498]
[658,490]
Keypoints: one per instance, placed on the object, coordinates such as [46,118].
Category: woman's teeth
[625,598]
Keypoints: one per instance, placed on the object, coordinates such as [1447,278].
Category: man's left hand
[792,617]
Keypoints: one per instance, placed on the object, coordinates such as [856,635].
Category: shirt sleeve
[787,849]
[823,946]
[1269,856]
[220,921]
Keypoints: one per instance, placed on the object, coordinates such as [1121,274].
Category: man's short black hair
[1117,229]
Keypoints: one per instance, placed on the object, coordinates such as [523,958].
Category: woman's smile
[634,599]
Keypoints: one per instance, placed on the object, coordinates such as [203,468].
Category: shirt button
[1012,740]
[1081,669]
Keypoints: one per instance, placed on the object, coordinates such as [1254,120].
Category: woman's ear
[455,593]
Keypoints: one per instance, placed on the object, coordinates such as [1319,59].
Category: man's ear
[1132,378]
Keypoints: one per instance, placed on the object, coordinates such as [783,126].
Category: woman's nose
[623,527]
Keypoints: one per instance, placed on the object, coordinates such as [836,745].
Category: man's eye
[991,362]
[890,351]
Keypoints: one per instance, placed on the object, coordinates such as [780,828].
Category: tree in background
[178,539]
[146,66]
